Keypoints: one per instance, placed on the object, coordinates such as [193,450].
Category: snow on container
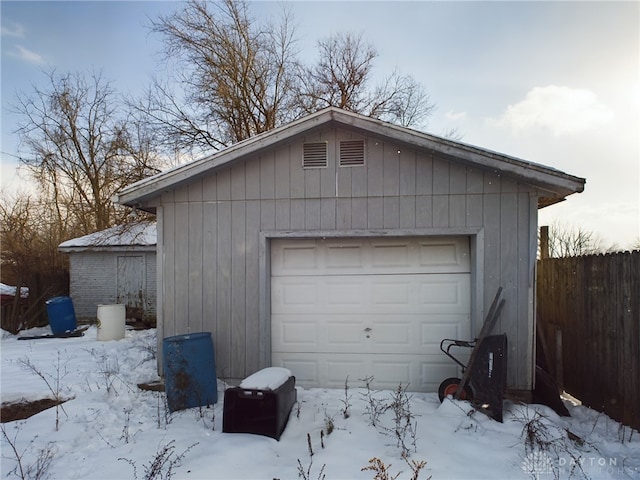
[190,371]
[261,404]
[62,316]
[111,322]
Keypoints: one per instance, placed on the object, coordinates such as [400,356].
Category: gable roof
[135,235]
[556,184]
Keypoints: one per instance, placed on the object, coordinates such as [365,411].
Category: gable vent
[351,153]
[314,155]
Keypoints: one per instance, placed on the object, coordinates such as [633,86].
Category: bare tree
[81,148]
[239,77]
[566,240]
[341,74]
[30,235]
[342,78]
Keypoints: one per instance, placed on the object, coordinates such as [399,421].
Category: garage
[339,245]
[360,307]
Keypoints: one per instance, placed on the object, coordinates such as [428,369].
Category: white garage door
[369,307]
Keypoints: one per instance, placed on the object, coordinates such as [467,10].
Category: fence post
[544,241]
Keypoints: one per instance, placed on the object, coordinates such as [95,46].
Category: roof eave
[562,184]
[108,248]
[137,193]
[558,183]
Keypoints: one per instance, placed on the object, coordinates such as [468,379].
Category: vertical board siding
[391,170]
[223,284]
[424,174]
[589,314]
[238,286]
[210,269]
[211,237]
[252,286]
[407,174]
[168,260]
[196,263]
[181,273]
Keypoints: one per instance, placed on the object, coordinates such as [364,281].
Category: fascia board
[112,249]
[151,186]
[532,173]
[552,180]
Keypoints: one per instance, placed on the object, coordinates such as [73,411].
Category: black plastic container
[259,411]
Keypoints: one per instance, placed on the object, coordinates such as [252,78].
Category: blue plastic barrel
[190,371]
[62,316]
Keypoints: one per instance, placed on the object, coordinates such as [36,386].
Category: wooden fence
[589,319]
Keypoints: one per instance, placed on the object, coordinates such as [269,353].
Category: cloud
[14,179]
[15,30]
[27,55]
[562,110]
[451,115]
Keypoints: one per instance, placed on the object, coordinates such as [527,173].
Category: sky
[555,83]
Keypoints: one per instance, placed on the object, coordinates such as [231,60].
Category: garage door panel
[341,334]
[295,293]
[391,257]
[339,293]
[363,255]
[434,370]
[445,256]
[314,333]
[445,293]
[420,294]
[298,257]
[363,334]
[393,333]
[372,294]
[298,335]
[420,373]
[390,291]
[432,334]
[392,371]
[339,258]
[369,307]
[345,370]
[307,372]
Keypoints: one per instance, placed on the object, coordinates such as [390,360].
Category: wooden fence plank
[592,303]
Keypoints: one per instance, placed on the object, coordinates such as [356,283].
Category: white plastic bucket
[111,321]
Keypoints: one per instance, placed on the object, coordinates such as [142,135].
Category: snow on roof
[9,290]
[131,234]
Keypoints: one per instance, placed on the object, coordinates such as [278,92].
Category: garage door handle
[368,329]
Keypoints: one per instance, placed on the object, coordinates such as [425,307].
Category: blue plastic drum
[62,316]
[190,371]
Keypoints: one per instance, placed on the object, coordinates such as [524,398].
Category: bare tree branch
[240,77]
[82,147]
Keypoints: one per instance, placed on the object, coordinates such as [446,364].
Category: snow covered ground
[110,429]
